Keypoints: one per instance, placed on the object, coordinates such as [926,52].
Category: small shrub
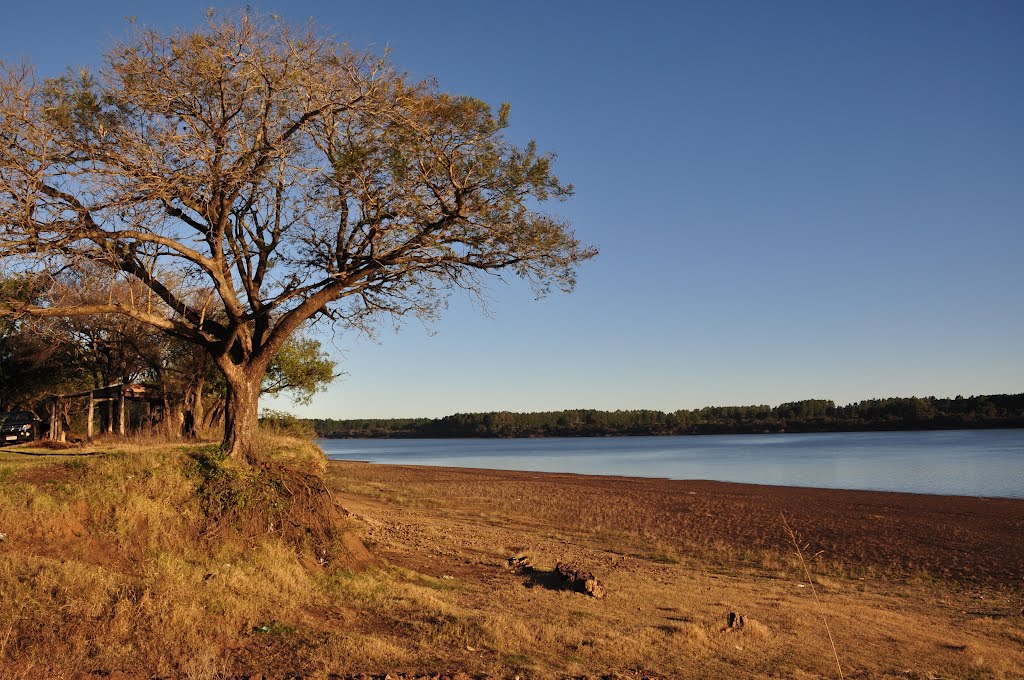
[285,424]
[295,453]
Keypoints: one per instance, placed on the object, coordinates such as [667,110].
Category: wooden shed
[114,398]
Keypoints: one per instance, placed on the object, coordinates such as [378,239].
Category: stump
[735,620]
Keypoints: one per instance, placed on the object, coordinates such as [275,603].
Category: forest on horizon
[809,415]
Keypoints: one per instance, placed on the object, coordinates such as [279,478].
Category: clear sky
[792,199]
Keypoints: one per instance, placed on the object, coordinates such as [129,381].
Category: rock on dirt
[580,580]
[520,564]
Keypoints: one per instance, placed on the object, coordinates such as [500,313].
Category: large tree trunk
[241,412]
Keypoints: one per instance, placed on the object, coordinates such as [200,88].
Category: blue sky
[792,199]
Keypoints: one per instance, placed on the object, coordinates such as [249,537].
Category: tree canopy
[247,177]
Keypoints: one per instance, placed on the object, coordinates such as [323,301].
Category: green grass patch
[273,628]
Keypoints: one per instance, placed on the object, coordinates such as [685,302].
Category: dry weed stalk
[795,540]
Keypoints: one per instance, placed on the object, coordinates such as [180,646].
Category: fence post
[120,410]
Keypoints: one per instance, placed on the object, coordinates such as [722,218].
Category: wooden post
[60,419]
[57,420]
[88,422]
[166,426]
[120,410]
[110,413]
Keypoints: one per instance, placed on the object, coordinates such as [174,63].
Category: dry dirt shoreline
[913,586]
[966,539]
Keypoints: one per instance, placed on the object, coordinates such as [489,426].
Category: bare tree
[251,176]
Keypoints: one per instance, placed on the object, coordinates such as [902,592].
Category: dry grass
[157,561]
[109,561]
[800,550]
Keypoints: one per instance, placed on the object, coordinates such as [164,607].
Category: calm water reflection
[959,462]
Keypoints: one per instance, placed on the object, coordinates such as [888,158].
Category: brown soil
[47,474]
[964,539]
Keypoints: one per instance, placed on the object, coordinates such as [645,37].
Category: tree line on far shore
[809,415]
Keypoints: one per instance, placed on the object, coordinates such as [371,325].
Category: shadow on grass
[549,579]
[55,453]
[552,579]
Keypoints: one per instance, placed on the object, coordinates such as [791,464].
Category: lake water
[958,462]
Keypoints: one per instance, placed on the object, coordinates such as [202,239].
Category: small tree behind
[252,177]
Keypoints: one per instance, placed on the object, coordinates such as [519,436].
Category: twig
[329,494]
[807,573]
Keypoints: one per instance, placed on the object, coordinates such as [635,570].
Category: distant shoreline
[582,435]
[992,411]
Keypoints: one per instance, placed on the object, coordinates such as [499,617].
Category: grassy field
[159,560]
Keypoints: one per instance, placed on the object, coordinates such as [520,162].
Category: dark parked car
[19,426]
